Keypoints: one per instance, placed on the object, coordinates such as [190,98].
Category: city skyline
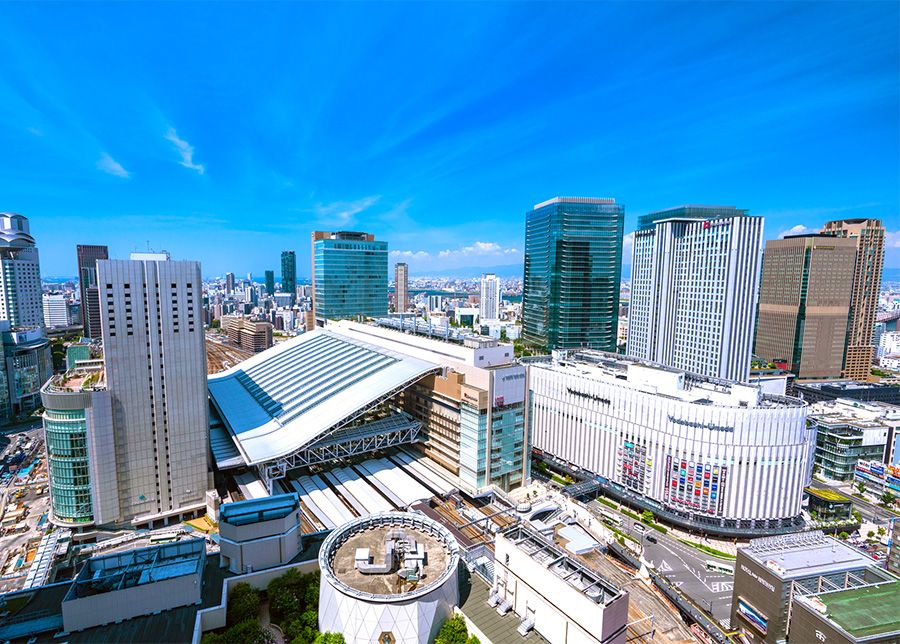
[442,173]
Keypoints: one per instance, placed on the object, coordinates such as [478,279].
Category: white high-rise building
[155,358]
[56,310]
[20,273]
[694,282]
[490,297]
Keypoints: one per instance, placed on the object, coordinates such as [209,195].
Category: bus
[164,537]
[716,566]
[610,518]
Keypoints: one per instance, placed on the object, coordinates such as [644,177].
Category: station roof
[286,397]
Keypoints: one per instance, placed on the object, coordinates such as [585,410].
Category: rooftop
[862,612]
[356,557]
[805,554]
[286,397]
[591,200]
[373,541]
[80,378]
[827,495]
[562,564]
[257,510]
[660,380]
[842,385]
[138,567]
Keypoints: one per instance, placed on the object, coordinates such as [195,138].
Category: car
[639,527]
[651,538]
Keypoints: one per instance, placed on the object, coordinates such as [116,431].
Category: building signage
[594,397]
[756,619]
[709,426]
[762,581]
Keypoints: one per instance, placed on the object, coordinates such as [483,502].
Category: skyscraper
[804,303]
[20,273]
[573,263]
[401,287]
[694,279]
[87,284]
[289,273]
[229,283]
[349,275]
[489,307]
[155,360]
[56,310]
[270,282]
[869,237]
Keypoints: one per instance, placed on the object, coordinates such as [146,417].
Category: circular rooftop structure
[388,577]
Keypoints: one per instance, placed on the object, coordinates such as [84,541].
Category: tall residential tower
[573,264]
[87,284]
[350,275]
[490,298]
[869,237]
[401,287]
[694,279]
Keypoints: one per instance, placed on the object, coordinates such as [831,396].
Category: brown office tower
[869,237]
[804,301]
[87,281]
[401,287]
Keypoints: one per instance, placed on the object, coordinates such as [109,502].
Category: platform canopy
[287,397]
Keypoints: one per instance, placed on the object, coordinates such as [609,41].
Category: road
[682,565]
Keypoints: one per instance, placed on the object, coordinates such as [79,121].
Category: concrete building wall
[118,605]
[257,546]
[155,357]
[561,613]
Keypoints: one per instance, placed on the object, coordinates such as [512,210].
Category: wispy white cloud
[892,239]
[185,149]
[409,254]
[477,249]
[343,212]
[799,229]
[110,166]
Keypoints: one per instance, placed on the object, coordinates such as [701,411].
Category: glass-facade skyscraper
[573,265]
[270,282]
[350,275]
[289,273]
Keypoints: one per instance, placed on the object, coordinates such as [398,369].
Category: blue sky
[227,132]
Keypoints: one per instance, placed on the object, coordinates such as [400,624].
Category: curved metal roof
[286,397]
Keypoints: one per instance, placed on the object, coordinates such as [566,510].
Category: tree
[861,487]
[881,531]
[888,499]
[243,604]
[870,534]
[647,516]
[453,631]
[503,336]
[473,640]
[843,536]
[248,632]
[330,638]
